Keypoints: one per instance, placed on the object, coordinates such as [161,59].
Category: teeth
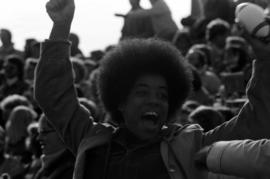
[154,114]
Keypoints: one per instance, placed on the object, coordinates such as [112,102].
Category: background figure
[182,41]
[207,117]
[210,81]
[9,165]
[163,24]
[75,50]
[136,27]
[14,83]
[7,47]
[31,49]
[9,103]
[33,146]
[57,160]
[217,32]
[236,57]
[16,132]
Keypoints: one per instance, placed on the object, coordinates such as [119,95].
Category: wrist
[60,31]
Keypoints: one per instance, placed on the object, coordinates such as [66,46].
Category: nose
[154,99]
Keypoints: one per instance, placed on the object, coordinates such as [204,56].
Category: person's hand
[261,47]
[61,12]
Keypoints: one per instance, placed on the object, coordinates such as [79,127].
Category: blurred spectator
[9,103]
[199,93]
[31,49]
[9,165]
[207,117]
[236,54]
[219,9]
[75,50]
[96,55]
[14,77]
[182,41]
[206,50]
[7,47]
[90,65]
[16,132]
[92,108]
[79,72]
[216,33]
[186,109]
[163,24]
[33,146]
[226,112]
[57,161]
[29,70]
[136,27]
[210,80]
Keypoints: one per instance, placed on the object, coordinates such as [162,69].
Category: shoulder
[175,130]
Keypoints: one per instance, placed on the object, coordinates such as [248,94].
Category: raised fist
[61,11]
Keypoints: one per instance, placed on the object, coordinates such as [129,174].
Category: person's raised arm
[253,120]
[61,13]
[54,84]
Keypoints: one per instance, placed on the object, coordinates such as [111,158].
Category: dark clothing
[124,158]
[55,93]
[60,167]
[19,87]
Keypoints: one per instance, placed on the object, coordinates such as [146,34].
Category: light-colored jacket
[55,93]
[243,158]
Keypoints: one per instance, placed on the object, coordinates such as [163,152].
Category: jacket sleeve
[56,95]
[242,158]
[253,120]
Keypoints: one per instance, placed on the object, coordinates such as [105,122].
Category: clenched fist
[61,12]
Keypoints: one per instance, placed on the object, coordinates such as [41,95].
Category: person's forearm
[243,158]
[60,32]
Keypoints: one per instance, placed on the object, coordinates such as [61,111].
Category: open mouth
[151,116]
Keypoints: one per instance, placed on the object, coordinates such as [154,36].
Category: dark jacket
[55,93]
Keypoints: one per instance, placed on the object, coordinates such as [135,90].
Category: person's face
[10,69]
[146,108]
[48,139]
[231,58]
[221,40]
[4,37]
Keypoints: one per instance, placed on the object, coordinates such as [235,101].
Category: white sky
[94,20]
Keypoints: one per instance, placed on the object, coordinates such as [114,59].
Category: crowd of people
[164,102]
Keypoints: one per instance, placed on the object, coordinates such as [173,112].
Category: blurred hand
[61,12]
[261,47]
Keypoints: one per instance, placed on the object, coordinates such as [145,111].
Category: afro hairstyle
[132,58]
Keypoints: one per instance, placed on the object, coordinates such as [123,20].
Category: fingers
[54,5]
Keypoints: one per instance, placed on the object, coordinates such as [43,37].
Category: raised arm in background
[54,88]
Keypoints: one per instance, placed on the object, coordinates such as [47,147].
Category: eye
[163,95]
[141,92]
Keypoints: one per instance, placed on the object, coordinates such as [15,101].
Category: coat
[55,93]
